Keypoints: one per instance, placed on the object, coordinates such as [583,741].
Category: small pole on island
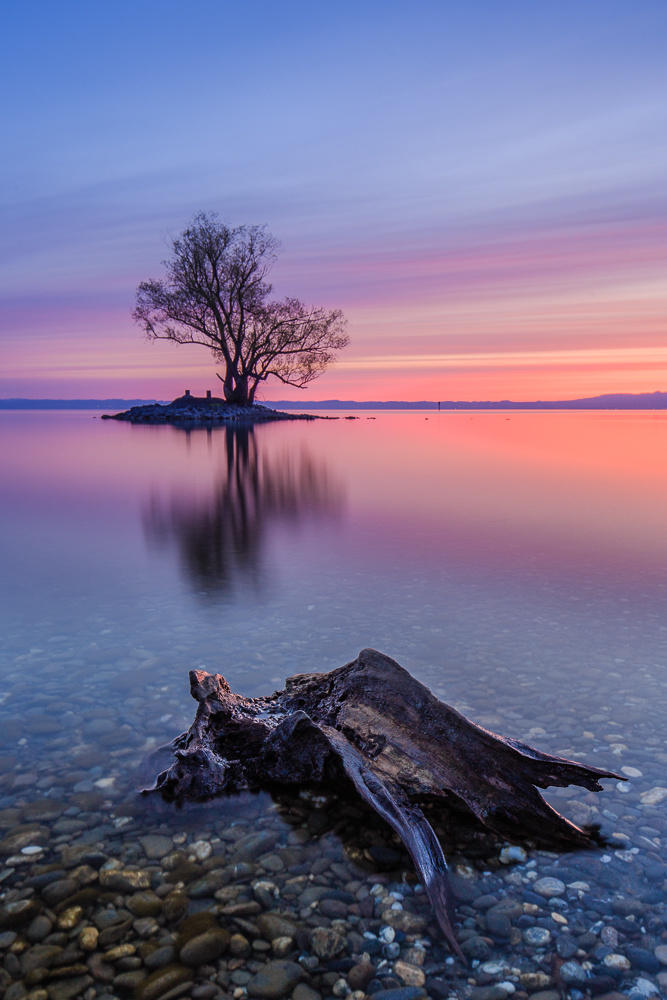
[438,407]
[208,393]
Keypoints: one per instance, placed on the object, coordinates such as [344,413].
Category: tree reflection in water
[222,538]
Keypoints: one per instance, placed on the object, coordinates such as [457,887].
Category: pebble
[124,879]
[88,938]
[492,968]
[156,846]
[616,961]
[411,975]
[573,973]
[273,925]
[201,849]
[39,928]
[537,936]
[161,957]
[513,854]
[69,918]
[654,796]
[498,991]
[274,980]
[327,942]
[360,975]
[304,992]
[206,947]
[643,988]
[400,993]
[549,887]
[163,982]
[533,981]
[144,904]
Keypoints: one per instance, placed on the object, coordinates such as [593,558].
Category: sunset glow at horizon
[480,190]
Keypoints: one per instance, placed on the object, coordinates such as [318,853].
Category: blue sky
[393,148]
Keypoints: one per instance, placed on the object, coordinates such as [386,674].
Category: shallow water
[515,563]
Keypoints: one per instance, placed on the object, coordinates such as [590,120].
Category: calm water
[517,564]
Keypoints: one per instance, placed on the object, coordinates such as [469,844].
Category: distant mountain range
[72,404]
[610,401]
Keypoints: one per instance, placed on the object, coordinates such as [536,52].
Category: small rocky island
[202,411]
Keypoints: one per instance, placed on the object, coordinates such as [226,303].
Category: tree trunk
[372,724]
[235,389]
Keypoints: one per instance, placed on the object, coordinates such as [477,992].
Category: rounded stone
[58,891]
[17,913]
[549,887]
[161,957]
[201,849]
[88,938]
[156,846]
[476,947]
[274,980]
[39,928]
[163,981]
[144,904]
[124,879]
[239,945]
[573,973]
[273,926]
[206,947]
[282,946]
[360,975]
[513,854]
[654,796]
[537,936]
[498,924]
[175,905]
[327,942]
[494,969]
[69,918]
[533,981]
[410,975]
[495,992]
[303,992]
[616,961]
[404,920]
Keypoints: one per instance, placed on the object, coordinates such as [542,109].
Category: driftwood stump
[371,722]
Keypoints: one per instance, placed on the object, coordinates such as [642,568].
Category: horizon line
[24,402]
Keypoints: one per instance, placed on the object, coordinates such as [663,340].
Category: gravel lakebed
[105,893]
[108,894]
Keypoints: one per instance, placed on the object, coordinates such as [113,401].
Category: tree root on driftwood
[371,722]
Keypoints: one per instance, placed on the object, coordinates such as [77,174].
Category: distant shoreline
[611,401]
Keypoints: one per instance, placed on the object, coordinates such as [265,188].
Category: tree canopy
[216,294]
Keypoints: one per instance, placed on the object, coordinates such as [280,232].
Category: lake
[515,563]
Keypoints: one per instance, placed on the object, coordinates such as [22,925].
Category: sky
[479,186]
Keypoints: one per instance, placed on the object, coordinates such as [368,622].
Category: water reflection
[222,537]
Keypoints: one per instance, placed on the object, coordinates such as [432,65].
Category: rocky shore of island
[202,411]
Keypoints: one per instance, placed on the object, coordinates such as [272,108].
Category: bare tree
[216,294]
